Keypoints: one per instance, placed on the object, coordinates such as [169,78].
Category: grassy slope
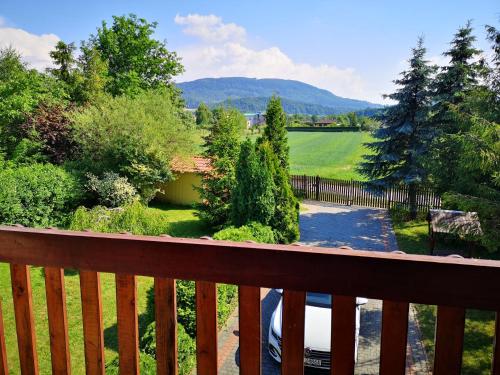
[479,325]
[186,224]
[333,155]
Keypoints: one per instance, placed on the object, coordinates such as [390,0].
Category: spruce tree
[222,145]
[404,136]
[275,131]
[253,197]
[453,83]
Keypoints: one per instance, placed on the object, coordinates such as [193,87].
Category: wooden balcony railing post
[292,331]
[495,370]
[93,334]
[206,328]
[4,368]
[394,337]
[25,326]
[343,335]
[250,330]
[58,321]
[450,324]
[166,326]
[128,328]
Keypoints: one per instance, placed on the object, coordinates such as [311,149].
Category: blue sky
[352,48]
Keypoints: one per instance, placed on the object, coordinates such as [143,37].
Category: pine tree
[253,195]
[451,87]
[203,115]
[222,146]
[404,136]
[275,131]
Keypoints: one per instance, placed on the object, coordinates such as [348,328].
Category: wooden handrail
[386,276]
[398,279]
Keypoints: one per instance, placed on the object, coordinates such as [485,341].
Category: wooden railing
[397,279]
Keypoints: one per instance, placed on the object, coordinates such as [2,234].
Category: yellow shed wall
[181,190]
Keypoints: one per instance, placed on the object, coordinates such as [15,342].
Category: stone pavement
[329,225]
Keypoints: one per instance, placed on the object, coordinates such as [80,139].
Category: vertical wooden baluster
[343,335]
[206,328]
[292,331]
[250,330]
[394,337]
[128,331]
[166,326]
[23,310]
[58,321]
[495,370]
[4,368]
[450,325]
[93,336]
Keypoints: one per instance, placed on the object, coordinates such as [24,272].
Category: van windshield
[319,299]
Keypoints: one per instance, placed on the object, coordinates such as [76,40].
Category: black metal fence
[359,193]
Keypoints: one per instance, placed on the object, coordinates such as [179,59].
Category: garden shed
[188,174]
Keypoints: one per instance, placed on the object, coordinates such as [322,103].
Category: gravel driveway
[329,225]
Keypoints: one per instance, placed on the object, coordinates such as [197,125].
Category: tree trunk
[412,196]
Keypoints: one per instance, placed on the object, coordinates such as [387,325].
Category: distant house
[255,119]
[188,175]
[322,122]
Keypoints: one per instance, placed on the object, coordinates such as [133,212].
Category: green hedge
[250,232]
[37,195]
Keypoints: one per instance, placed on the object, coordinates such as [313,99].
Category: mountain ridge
[251,95]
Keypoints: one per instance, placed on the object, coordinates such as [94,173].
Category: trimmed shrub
[37,195]
[147,365]
[186,348]
[134,218]
[111,190]
[251,232]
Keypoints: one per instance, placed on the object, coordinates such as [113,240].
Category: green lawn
[183,223]
[331,155]
[479,325]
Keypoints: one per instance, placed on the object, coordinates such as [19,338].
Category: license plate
[312,361]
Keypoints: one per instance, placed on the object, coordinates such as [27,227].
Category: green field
[331,155]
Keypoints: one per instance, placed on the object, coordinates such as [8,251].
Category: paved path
[329,225]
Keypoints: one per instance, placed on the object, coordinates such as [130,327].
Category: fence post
[317,187]
[304,186]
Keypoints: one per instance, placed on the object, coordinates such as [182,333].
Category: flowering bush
[111,190]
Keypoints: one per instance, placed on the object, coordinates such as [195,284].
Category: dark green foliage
[222,148]
[275,131]
[253,195]
[203,115]
[147,365]
[488,212]
[38,195]
[404,137]
[63,59]
[252,95]
[252,231]
[136,61]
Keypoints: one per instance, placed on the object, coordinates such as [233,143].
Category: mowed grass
[185,224]
[479,325]
[327,154]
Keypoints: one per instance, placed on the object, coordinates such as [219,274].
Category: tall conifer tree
[404,136]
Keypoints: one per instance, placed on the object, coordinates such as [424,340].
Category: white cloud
[220,53]
[34,48]
[210,28]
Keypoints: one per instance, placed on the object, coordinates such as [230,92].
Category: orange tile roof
[195,164]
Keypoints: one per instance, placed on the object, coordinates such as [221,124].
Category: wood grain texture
[292,330]
[58,321]
[396,277]
[128,328]
[166,326]
[495,368]
[206,328]
[394,338]
[343,334]
[450,323]
[93,334]
[23,311]
[250,330]
[4,367]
